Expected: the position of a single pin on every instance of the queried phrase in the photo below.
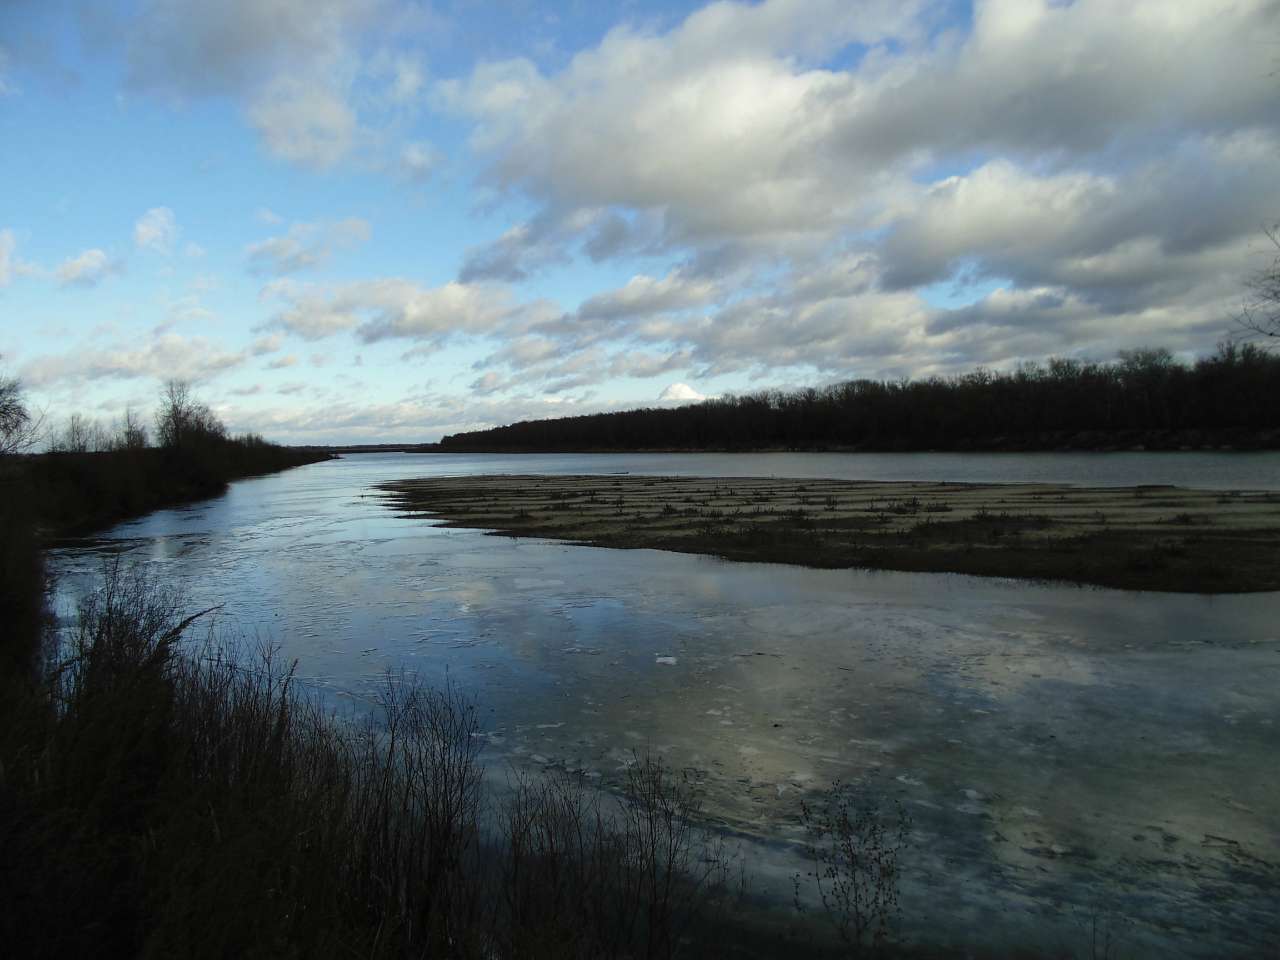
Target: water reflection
(1051, 742)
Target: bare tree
(1260, 316)
(18, 428)
(80, 435)
(183, 421)
(130, 432)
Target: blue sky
(367, 220)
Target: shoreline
(1160, 538)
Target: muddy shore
(1146, 537)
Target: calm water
(1063, 750)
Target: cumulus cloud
(86, 270)
(164, 356)
(306, 245)
(389, 308)
(643, 296)
(305, 123)
(748, 134)
(814, 169)
(681, 393)
(301, 69)
(187, 49)
(156, 230)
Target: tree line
(1145, 397)
(92, 473)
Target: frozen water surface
(1066, 753)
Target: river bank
(1150, 537)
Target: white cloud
(305, 123)
(85, 270)
(156, 230)
(11, 265)
(418, 161)
(390, 308)
(405, 79)
(789, 182)
(298, 68)
(643, 296)
(8, 243)
(306, 245)
(682, 393)
(266, 344)
(164, 356)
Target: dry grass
(1149, 537)
(166, 798)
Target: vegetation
(1260, 317)
(162, 797)
(855, 847)
(1146, 397)
(1141, 538)
(159, 798)
(95, 474)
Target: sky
(357, 221)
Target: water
(1065, 752)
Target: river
(1068, 755)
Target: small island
(1140, 538)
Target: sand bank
(1146, 537)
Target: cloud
(188, 49)
(11, 265)
(721, 137)
(306, 245)
(390, 308)
(267, 344)
(810, 172)
(283, 363)
(86, 270)
(165, 356)
(521, 251)
(643, 296)
(418, 161)
(749, 135)
(8, 243)
(156, 230)
(305, 123)
(405, 78)
(301, 70)
(681, 393)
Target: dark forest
(1144, 398)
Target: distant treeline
(1145, 397)
(94, 475)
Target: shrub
(855, 848)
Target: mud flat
(1145, 537)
